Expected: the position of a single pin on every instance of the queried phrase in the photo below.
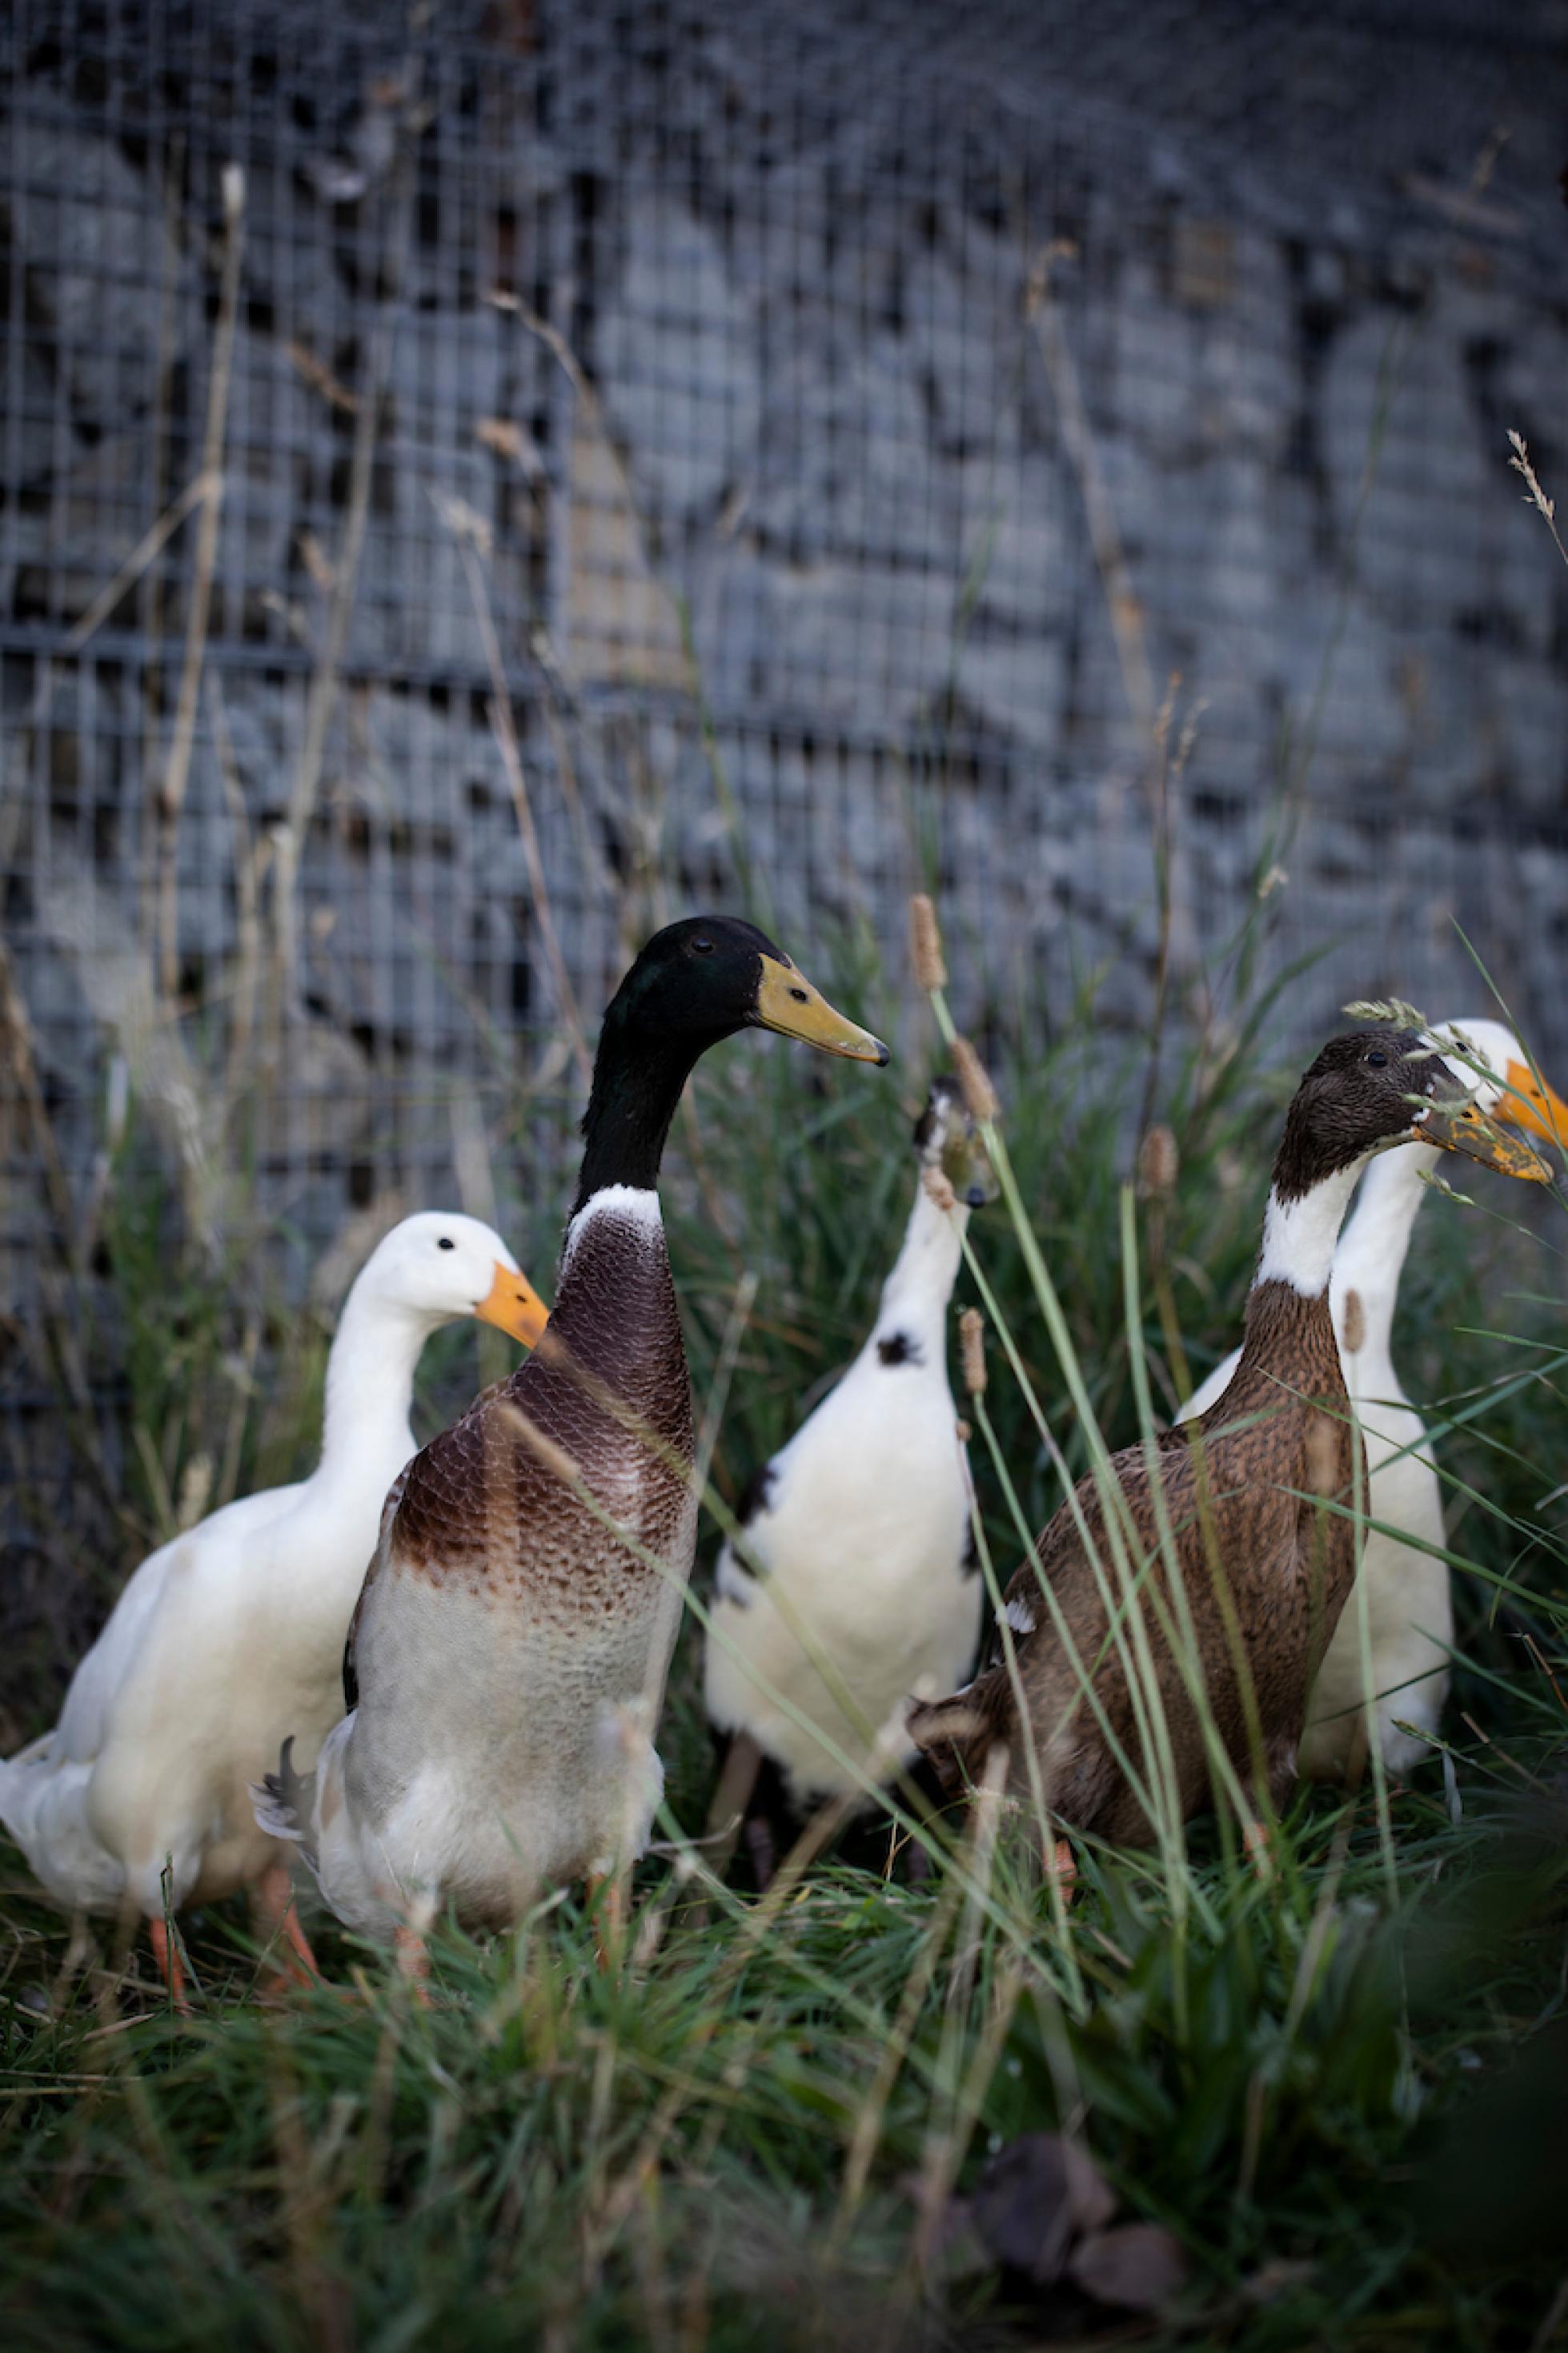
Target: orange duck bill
(1530, 1103)
(1461, 1127)
(513, 1304)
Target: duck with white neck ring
(508, 1660)
(1410, 1616)
(1263, 1568)
(232, 1634)
(854, 1585)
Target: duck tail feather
(285, 1802)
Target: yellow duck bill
(787, 1002)
(1460, 1128)
(512, 1305)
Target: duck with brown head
(507, 1663)
(1393, 1654)
(1261, 1551)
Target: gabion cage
(476, 479)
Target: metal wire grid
(792, 261)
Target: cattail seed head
(1158, 1164)
(925, 944)
(939, 1188)
(971, 1344)
(1356, 1324)
(1323, 1456)
(974, 1077)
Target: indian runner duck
(857, 1550)
(1410, 1616)
(1265, 1569)
(507, 1664)
(231, 1634)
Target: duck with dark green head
(506, 1665)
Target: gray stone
(677, 363)
(93, 238)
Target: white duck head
(1487, 1057)
(429, 1270)
(437, 1266)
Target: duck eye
(702, 947)
(446, 1243)
(1377, 1059)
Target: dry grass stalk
(291, 838)
(925, 944)
(249, 863)
(1125, 608)
(542, 1445)
(1536, 496)
(147, 550)
(320, 377)
(503, 727)
(177, 774)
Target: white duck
(1410, 1611)
(232, 1634)
(856, 1542)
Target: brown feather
(1288, 1566)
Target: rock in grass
(1035, 2199)
(1138, 2265)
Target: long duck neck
(370, 1388)
(915, 1293)
(614, 1300)
(637, 1080)
(1287, 1312)
(1371, 1252)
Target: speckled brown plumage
(1289, 1562)
(1264, 1561)
(484, 1509)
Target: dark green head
(696, 982)
(705, 977)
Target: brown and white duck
(1403, 1669)
(507, 1663)
(1241, 1488)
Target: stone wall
(906, 396)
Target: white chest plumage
(853, 1590)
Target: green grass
(1339, 2099)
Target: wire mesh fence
(475, 479)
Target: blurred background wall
(474, 480)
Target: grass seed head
(1323, 1456)
(1356, 1324)
(1159, 1163)
(972, 1342)
(975, 1079)
(925, 944)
